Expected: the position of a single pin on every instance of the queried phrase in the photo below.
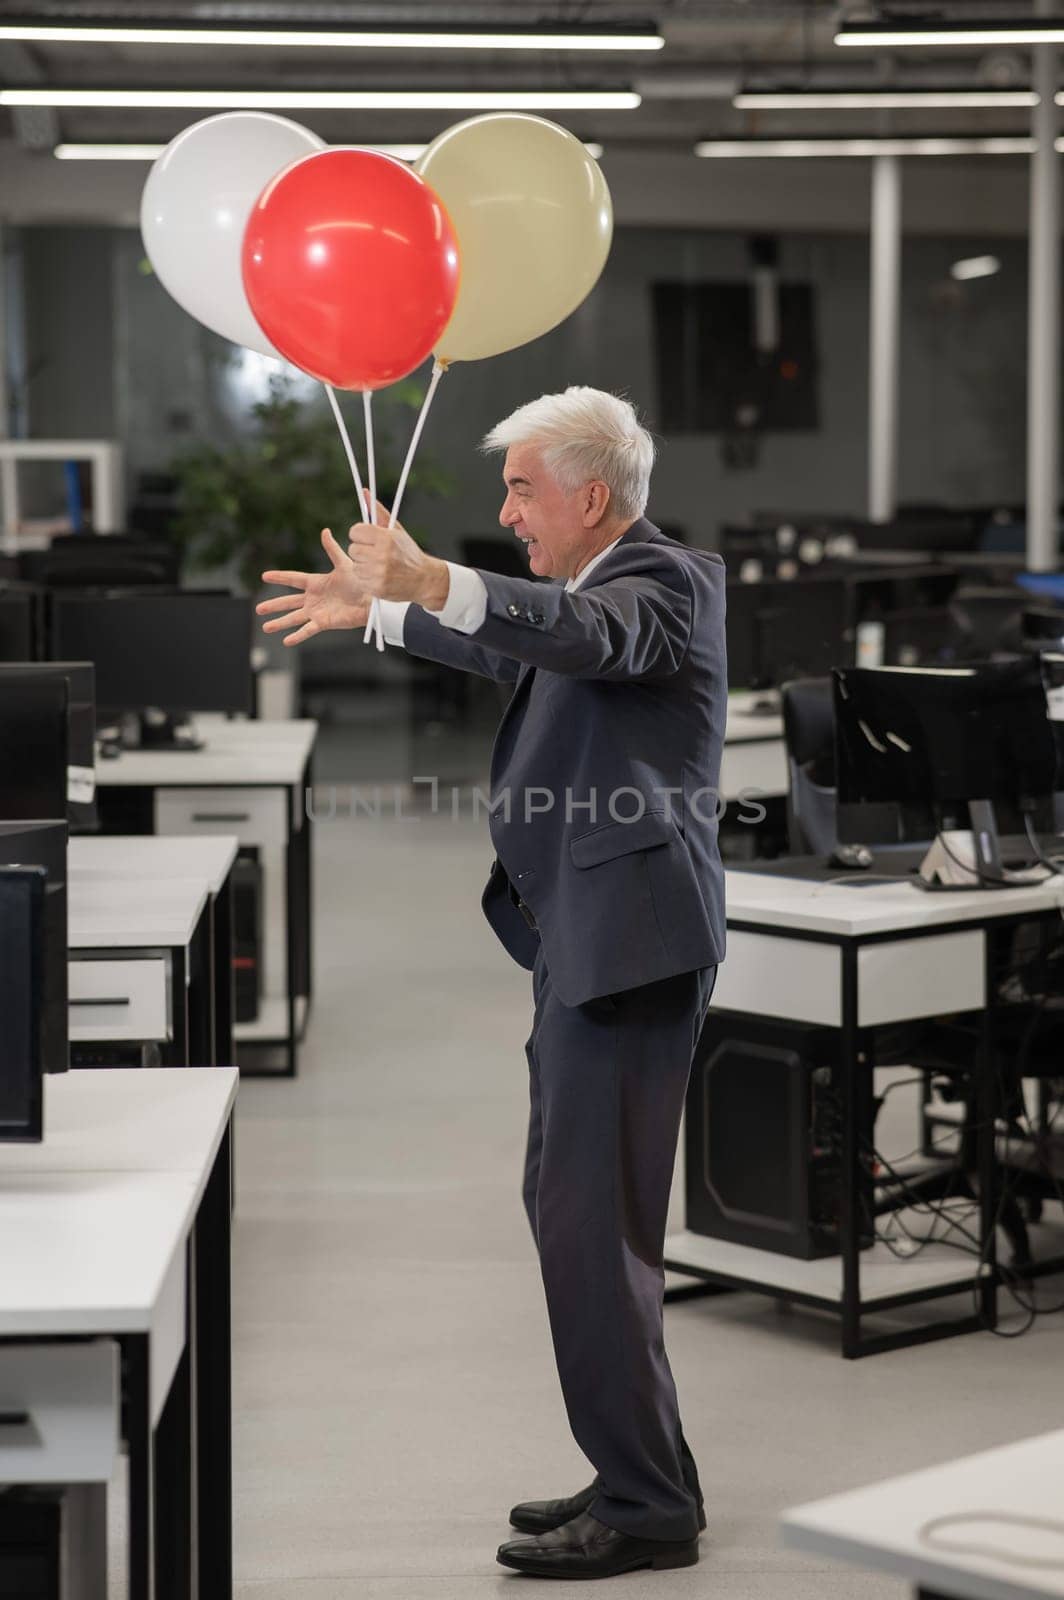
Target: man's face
(558, 529)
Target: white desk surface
(828, 908)
(264, 754)
(110, 913)
(153, 856)
(881, 1526)
(91, 1219)
(743, 727)
(128, 1119)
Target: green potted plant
(263, 501)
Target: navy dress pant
(608, 1081)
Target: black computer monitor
(779, 631)
(936, 531)
(34, 740)
(22, 1002)
(936, 742)
(44, 845)
(17, 622)
(175, 653)
(80, 678)
(803, 629)
(741, 628)
(109, 560)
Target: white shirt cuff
(393, 615)
(467, 600)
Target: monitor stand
(971, 858)
(158, 730)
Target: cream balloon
(534, 222)
(195, 207)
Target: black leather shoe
(584, 1548)
(543, 1516)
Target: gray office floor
(394, 1386)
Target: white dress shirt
(466, 605)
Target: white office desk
(853, 958)
(754, 761)
(248, 782)
(103, 1226)
(128, 913)
(883, 1525)
(134, 971)
(111, 856)
(235, 754)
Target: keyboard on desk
(891, 861)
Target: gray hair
(584, 434)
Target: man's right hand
(323, 600)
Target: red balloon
(350, 265)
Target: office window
(711, 376)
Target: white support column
(1043, 335)
(885, 339)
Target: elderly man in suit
(607, 885)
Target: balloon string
(438, 370)
(374, 627)
(346, 437)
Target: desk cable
(1014, 1519)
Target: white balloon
(195, 207)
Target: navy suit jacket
(606, 764)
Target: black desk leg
(223, 975)
(930, 1594)
(990, 1177)
(136, 1426)
(850, 1188)
(212, 1381)
(178, 1051)
(291, 869)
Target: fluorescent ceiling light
(151, 152)
(888, 36)
(327, 99)
(108, 152)
(728, 148)
(883, 99)
(327, 38)
(975, 267)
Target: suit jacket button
(537, 616)
(515, 611)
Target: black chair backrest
(809, 736)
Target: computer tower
(764, 1136)
(21, 1002)
(247, 936)
(44, 844)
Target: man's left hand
(389, 564)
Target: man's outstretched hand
(389, 564)
(323, 600)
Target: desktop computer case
(763, 1136)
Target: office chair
(809, 736)
(935, 1050)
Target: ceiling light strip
(151, 152)
(774, 148)
(326, 38)
(325, 99)
(884, 36)
(883, 100)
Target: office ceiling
(713, 48)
